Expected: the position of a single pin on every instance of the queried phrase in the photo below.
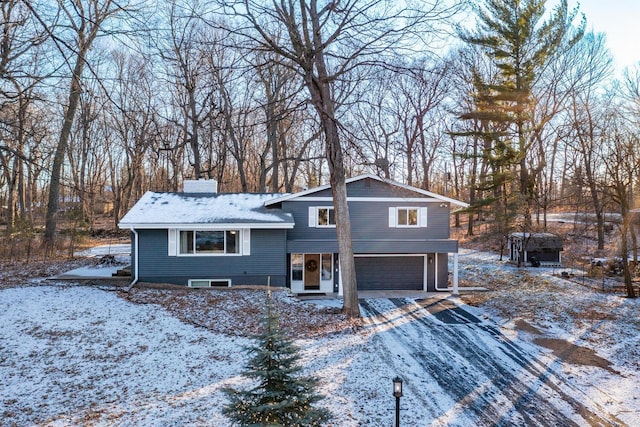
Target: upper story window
(322, 216)
(216, 242)
(326, 217)
(407, 217)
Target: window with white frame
(211, 242)
(322, 216)
(407, 217)
(298, 266)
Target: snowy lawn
(76, 355)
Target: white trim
(422, 216)
(210, 254)
(240, 242)
(435, 278)
(385, 255)
(328, 225)
(446, 287)
(213, 226)
(245, 240)
(361, 177)
(340, 287)
(172, 242)
(297, 286)
(313, 216)
(407, 208)
(137, 256)
(372, 199)
(455, 292)
(425, 274)
(393, 217)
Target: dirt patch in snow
(575, 354)
(525, 326)
(565, 350)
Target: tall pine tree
(520, 45)
(281, 397)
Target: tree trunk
(320, 90)
(625, 258)
(343, 221)
(51, 220)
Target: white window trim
(243, 240)
(393, 216)
(303, 266)
(314, 217)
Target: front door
(311, 271)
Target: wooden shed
(535, 249)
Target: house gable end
(369, 186)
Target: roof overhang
(216, 226)
(429, 194)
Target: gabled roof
(420, 191)
(167, 210)
(538, 241)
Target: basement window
(209, 283)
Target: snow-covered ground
(75, 355)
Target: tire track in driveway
(490, 379)
(446, 367)
(539, 372)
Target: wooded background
(515, 109)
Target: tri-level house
(400, 235)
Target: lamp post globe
(397, 387)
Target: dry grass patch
(240, 312)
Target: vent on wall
(208, 283)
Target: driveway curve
(484, 377)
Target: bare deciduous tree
(84, 20)
(326, 43)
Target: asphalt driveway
(486, 378)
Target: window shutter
(246, 241)
(313, 216)
(392, 217)
(172, 241)
(422, 217)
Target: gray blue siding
(370, 220)
(368, 187)
(371, 235)
(267, 259)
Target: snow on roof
(539, 241)
(158, 209)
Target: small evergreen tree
(281, 397)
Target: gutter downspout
(135, 249)
(455, 291)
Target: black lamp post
(397, 393)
